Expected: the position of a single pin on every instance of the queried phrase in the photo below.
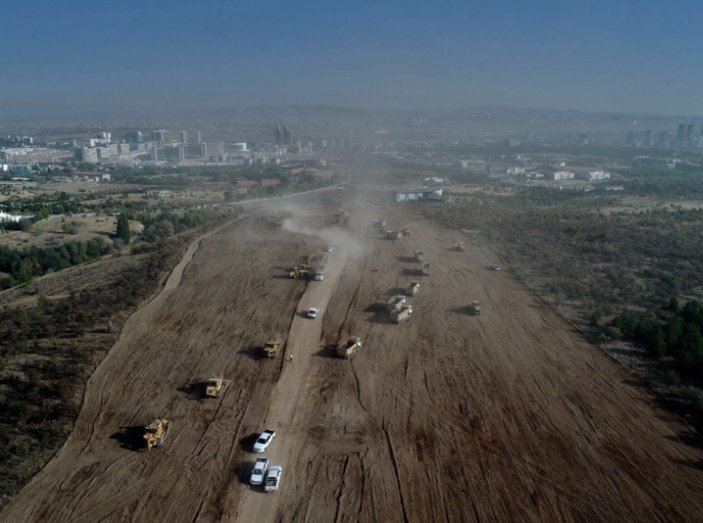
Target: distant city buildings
(686, 138)
(281, 135)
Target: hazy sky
(634, 55)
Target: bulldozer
(155, 432)
(419, 256)
(459, 247)
(272, 346)
(474, 309)
(214, 387)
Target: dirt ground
(506, 416)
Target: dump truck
(412, 288)
(349, 348)
(419, 256)
(459, 247)
(426, 269)
(155, 432)
(474, 308)
(272, 346)
(394, 303)
(319, 258)
(213, 387)
(402, 313)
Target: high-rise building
(690, 128)
(198, 137)
(135, 137)
(160, 136)
(662, 139)
(281, 135)
(184, 136)
(681, 134)
(647, 138)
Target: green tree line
(23, 265)
(679, 336)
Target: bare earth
(507, 416)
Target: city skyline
(103, 59)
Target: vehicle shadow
(412, 272)
(130, 438)
(463, 310)
(247, 442)
(328, 351)
(379, 313)
(406, 259)
(255, 352)
(193, 390)
(243, 471)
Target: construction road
(506, 416)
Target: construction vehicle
(459, 247)
(214, 387)
(155, 432)
(319, 258)
(300, 271)
(419, 256)
(406, 233)
(272, 346)
(349, 348)
(402, 313)
(380, 225)
(394, 303)
(341, 216)
(412, 288)
(392, 235)
(426, 269)
(474, 308)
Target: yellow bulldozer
(214, 387)
(155, 432)
(272, 346)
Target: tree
(123, 228)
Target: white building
(599, 175)
(563, 175)
(422, 193)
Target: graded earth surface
(506, 416)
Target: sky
(100, 55)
